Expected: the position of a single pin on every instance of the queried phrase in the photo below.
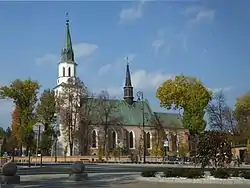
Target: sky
(206, 39)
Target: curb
(194, 181)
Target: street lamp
(140, 98)
(1, 144)
(38, 128)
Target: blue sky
(206, 39)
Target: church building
(134, 115)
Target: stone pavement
(121, 184)
(110, 180)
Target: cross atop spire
(127, 61)
(67, 18)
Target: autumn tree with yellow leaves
(24, 95)
(189, 95)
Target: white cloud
(141, 80)
(132, 14)
(80, 50)
(223, 89)
(84, 49)
(104, 69)
(198, 14)
(159, 42)
(149, 80)
(118, 65)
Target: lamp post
(38, 128)
(140, 98)
(1, 144)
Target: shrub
(246, 174)
(194, 173)
(236, 173)
(220, 173)
(174, 172)
(148, 174)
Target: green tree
(187, 94)
(24, 95)
(242, 116)
(84, 131)
(106, 111)
(158, 149)
(216, 147)
(45, 113)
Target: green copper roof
(67, 54)
(131, 115)
(169, 120)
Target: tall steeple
(67, 54)
(128, 88)
(67, 65)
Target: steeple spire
(128, 88)
(67, 54)
(128, 77)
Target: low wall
(70, 159)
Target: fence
(70, 159)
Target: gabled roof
(131, 115)
(169, 120)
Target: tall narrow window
(63, 71)
(69, 72)
(131, 140)
(94, 141)
(113, 140)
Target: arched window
(63, 71)
(113, 140)
(69, 72)
(94, 139)
(131, 139)
(148, 140)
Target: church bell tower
(67, 65)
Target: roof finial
(67, 18)
(127, 61)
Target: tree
(187, 94)
(45, 113)
(87, 107)
(8, 146)
(46, 108)
(220, 116)
(24, 95)
(68, 103)
(242, 116)
(106, 113)
(16, 128)
(158, 136)
(214, 146)
(183, 150)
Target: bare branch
(220, 116)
